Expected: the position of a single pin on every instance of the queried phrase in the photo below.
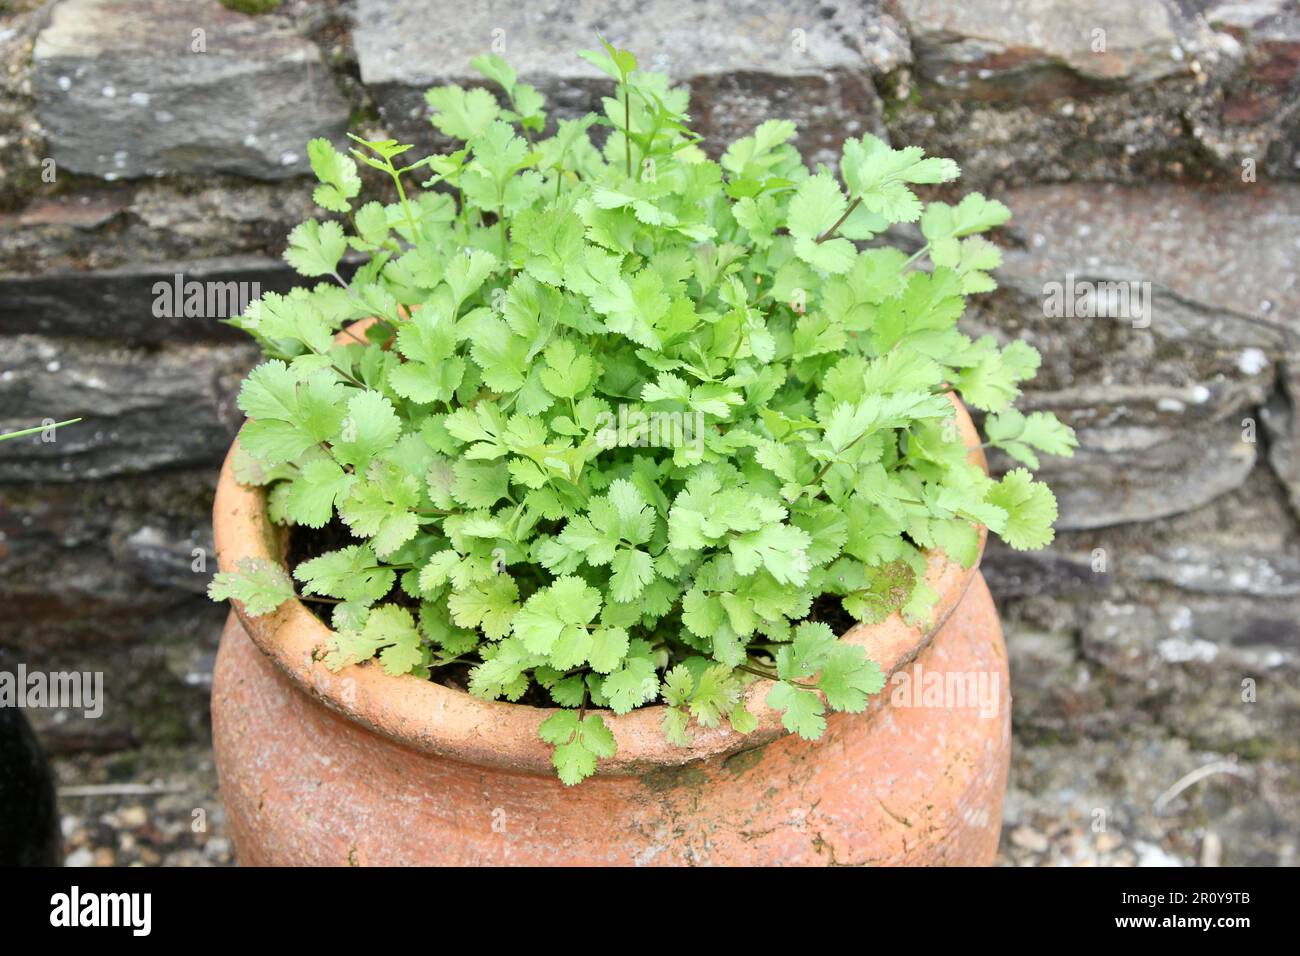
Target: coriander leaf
(802, 710)
(316, 247)
(257, 584)
(351, 574)
(337, 173)
(1030, 507)
(462, 114)
(490, 604)
(578, 744)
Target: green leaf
(815, 207)
(578, 744)
(632, 685)
(633, 571)
(848, 678)
(351, 574)
(1018, 435)
(370, 426)
(801, 709)
(337, 173)
(462, 114)
(389, 631)
(615, 63)
(1030, 507)
(313, 495)
(315, 248)
(566, 374)
(382, 508)
(504, 672)
(560, 611)
(991, 379)
(290, 416)
(433, 372)
(943, 225)
(257, 584)
(491, 605)
(716, 694)
(878, 175)
(608, 647)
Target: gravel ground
(142, 808)
(1082, 805)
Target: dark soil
(307, 543)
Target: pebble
(1030, 839)
(1106, 842)
(134, 817)
(82, 856)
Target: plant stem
(627, 128)
(771, 675)
(501, 221)
(835, 461)
(916, 255)
(379, 318)
(401, 194)
(38, 428)
(838, 222)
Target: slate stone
(744, 60)
(1059, 90)
(130, 88)
(141, 409)
(971, 43)
(120, 303)
(1137, 474)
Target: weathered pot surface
(360, 767)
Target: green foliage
(626, 413)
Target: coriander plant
(629, 418)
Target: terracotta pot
(358, 767)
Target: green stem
(38, 428)
(835, 461)
(838, 222)
(401, 194)
(627, 128)
(916, 255)
(501, 221)
(771, 675)
(387, 320)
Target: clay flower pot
(361, 768)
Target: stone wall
(1152, 144)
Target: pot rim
(430, 717)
